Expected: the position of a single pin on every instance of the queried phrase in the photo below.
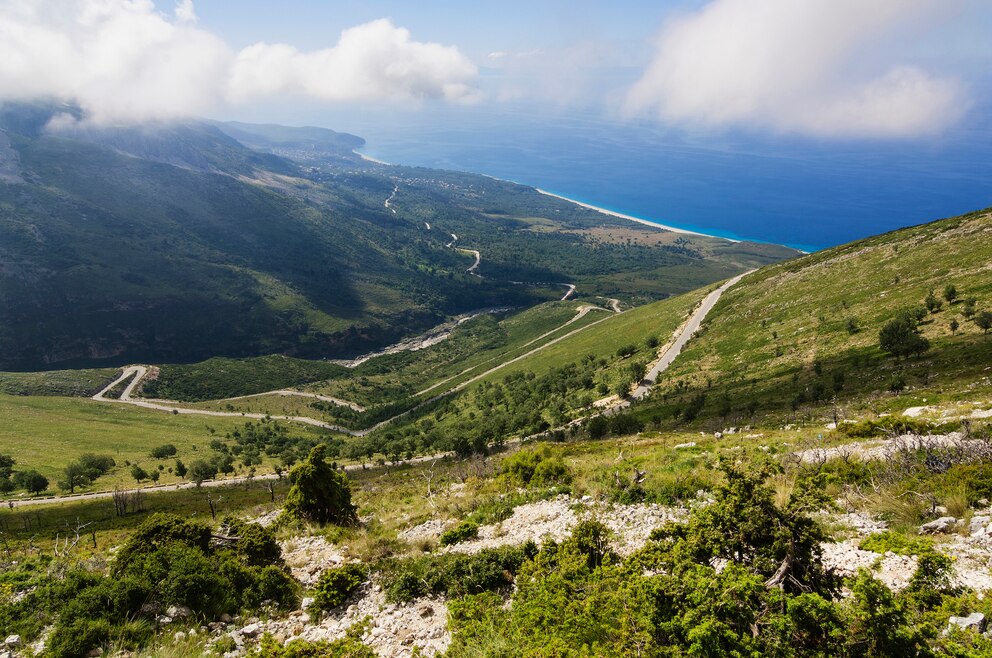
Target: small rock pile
(308, 557)
(395, 630)
(554, 520)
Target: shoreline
(639, 220)
(610, 213)
(369, 158)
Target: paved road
(688, 330)
(475, 265)
(138, 372)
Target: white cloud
(373, 61)
(124, 60)
(802, 66)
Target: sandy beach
(633, 219)
(370, 159)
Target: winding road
(475, 265)
(683, 335)
(138, 372)
(392, 196)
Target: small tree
(954, 326)
(201, 470)
(984, 321)
(968, 309)
(74, 475)
(31, 480)
(626, 350)
(900, 337)
(950, 293)
(180, 469)
(320, 493)
(138, 473)
(931, 302)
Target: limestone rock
(943, 525)
(975, 620)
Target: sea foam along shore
(632, 218)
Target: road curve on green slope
(138, 373)
(688, 331)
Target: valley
(514, 446)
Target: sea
(802, 192)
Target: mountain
(178, 242)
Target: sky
(882, 69)
(905, 85)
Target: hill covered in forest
(183, 241)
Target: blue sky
(886, 104)
(890, 69)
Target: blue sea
(801, 192)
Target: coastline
(369, 158)
(605, 211)
(631, 218)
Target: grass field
(71, 383)
(46, 433)
(785, 332)
(633, 327)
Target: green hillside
(177, 243)
(803, 337)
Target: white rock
(13, 641)
(178, 611)
(251, 630)
(975, 620)
(690, 444)
(179, 636)
(306, 602)
(978, 524)
(944, 524)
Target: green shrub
(551, 472)
(891, 425)
(335, 586)
(454, 574)
(256, 544)
(320, 493)
(535, 467)
(898, 543)
(350, 646)
(462, 532)
(163, 451)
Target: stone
(978, 525)
(975, 620)
(251, 630)
(178, 612)
(179, 636)
(944, 524)
(426, 611)
(163, 620)
(690, 444)
(226, 618)
(13, 641)
(306, 602)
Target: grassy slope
(71, 383)
(46, 433)
(632, 327)
(223, 378)
(762, 340)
